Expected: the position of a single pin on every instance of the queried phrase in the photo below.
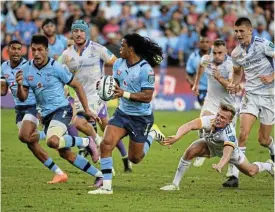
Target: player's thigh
(198, 148)
(209, 108)
(246, 122)
(104, 123)
(266, 115)
(29, 123)
(112, 135)
(56, 124)
(135, 149)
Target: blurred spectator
(26, 29)
(99, 20)
(113, 43)
(76, 15)
(59, 21)
(111, 9)
(95, 35)
(110, 27)
(163, 17)
(261, 32)
(212, 32)
(175, 23)
(46, 11)
(90, 8)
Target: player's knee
(190, 153)
(243, 136)
(251, 172)
(106, 146)
(263, 140)
(53, 142)
(134, 159)
(24, 137)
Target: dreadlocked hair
(145, 48)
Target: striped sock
(52, 166)
(106, 168)
(148, 143)
(69, 141)
(83, 164)
(42, 135)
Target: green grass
(24, 179)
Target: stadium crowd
(175, 26)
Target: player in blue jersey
(47, 78)
(134, 116)
(253, 57)
(26, 112)
(57, 43)
(193, 65)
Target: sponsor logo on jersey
(30, 78)
(6, 76)
(118, 72)
(39, 85)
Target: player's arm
(195, 124)
(197, 79)
(4, 87)
(190, 71)
(22, 90)
(224, 82)
(227, 152)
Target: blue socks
(106, 168)
(52, 166)
(83, 164)
(147, 144)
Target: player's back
(256, 60)
(134, 78)
(9, 74)
(47, 84)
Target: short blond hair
(228, 107)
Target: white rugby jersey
(216, 93)
(256, 60)
(219, 137)
(88, 65)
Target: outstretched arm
(197, 79)
(227, 152)
(195, 124)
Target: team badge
(151, 79)
(30, 78)
(39, 85)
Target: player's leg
(266, 118)
(200, 160)
(56, 138)
(114, 131)
(246, 122)
(103, 114)
(28, 134)
(196, 149)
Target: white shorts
(99, 107)
(260, 106)
(210, 106)
(237, 156)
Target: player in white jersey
(219, 140)
(86, 59)
(254, 57)
(219, 68)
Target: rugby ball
(105, 88)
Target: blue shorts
(201, 96)
(22, 110)
(63, 115)
(137, 127)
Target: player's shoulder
(118, 62)
(259, 40)
(95, 45)
(145, 67)
(55, 64)
(236, 51)
(206, 58)
(5, 65)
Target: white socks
(271, 146)
(263, 166)
(182, 168)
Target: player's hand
(267, 79)
(217, 167)
(232, 88)
(118, 92)
(216, 74)
(92, 116)
(195, 89)
(19, 77)
(170, 140)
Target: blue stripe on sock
(78, 141)
(92, 170)
(106, 163)
(68, 141)
(147, 144)
(48, 162)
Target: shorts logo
(30, 78)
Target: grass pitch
(24, 179)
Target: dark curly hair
(145, 48)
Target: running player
(254, 57)
(134, 116)
(47, 78)
(26, 113)
(86, 60)
(219, 140)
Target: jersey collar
(49, 59)
(129, 66)
(250, 44)
(86, 45)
